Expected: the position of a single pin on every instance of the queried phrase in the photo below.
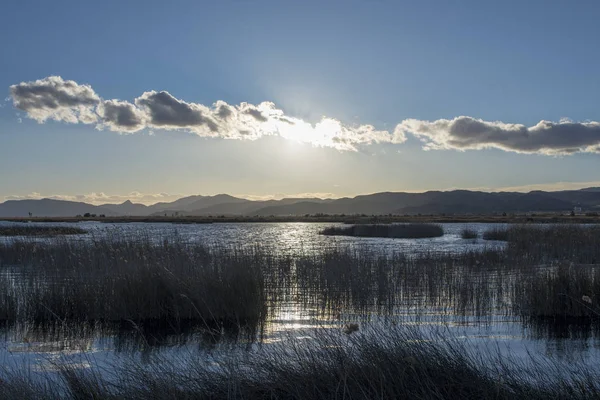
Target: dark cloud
(224, 111)
(55, 98)
(165, 111)
(287, 121)
(121, 116)
(253, 112)
(466, 133)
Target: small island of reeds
(399, 231)
(469, 233)
(37, 230)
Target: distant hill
(127, 208)
(432, 202)
(249, 207)
(435, 202)
(50, 208)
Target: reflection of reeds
(401, 231)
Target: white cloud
(53, 98)
(466, 133)
(98, 198)
(279, 196)
(31, 196)
(549, 187)
(67, 101)
(57, 99)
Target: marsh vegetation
(387, 364)
(26, 230)
(399, 231)
(469, 233)
(544, 276)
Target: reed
(132, 281)
(496, 234)
(468, 233)
(39, 230)
(402, 231)
(393, 363)
(566, 293)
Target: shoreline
(383, 219)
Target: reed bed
(392, 363)
(579, 244)
(496, 234)
(132, 282)
(38, 230)
(156, 283)
(399, 231)
(563, 293)
(543, 274)
(468, 233)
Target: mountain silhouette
(455, 202)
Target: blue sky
(390, 77)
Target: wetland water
(484, 319)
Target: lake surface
(504, 332)
(285, 238)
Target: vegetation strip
(38, 230)
(399, 231)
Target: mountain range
(455, 202)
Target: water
(286, 238)
(95, 348)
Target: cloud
(120, 116)
(256, 114)
(53, 98)
(167, 112)
(31, 196)
(57, 99)
(99, 198)
(466, 133)
(279, 196)
(549, 187)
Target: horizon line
(98, 199)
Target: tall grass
(496, 234)
(468, 233)
(141, 282)
(133, 282)
(545, 244)
(565, 292)
(404, 231)
(543, 274)
(384, 364)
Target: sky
(153, 100)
